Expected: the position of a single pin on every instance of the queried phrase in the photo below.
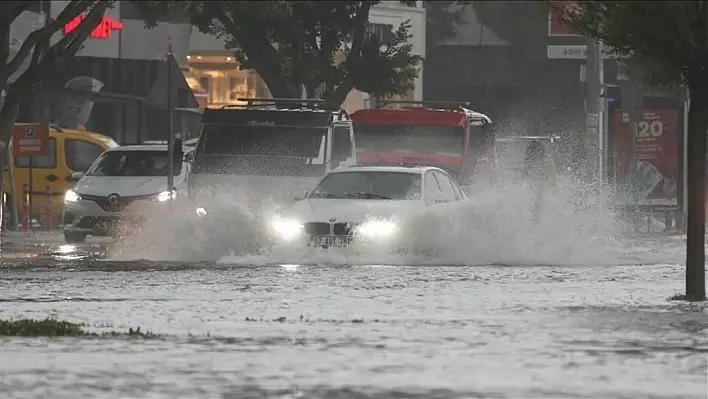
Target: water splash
(492, 227)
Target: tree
(36, 57)
(297, 44)
(672, 38)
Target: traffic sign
(574, 52)
(30, 139)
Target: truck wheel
(74, 238)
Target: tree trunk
(696, 176)
(8, 114)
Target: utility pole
(171, 120)
(632, 102)
(593, 80)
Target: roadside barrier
(3, 222)
(48, 209)
(25, 208)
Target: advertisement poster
(657, 156)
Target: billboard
(657, 155)
(556, 27)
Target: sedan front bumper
(87, 217)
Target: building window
(205, 86)
(220, 78)
(383, 31)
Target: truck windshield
(263, 140)
(133, 163)
(417, 138)
(262, 150)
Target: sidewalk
(32, 237)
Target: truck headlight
(71, 196)
(165, 196)
(287, 229)
(377, 229)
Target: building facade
(497, 61)
(122, 63)
(217, 79)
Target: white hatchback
(357, 204)
(123, 184)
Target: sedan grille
(344, 229)
(115, 206)
(317, 229)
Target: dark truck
(268, 150)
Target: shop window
(204, 81)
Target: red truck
(453, 138)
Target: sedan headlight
(287, 229)
(71, 196)
(165, 196)
(377, 229)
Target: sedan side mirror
(76, 176)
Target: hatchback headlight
(377, 229)
(287, 229)
(71, 196)
(165, 196)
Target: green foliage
(669, 37)
(295, 44)
(51, 327)
(40, 328)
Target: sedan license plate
(336, 242)
(105, 225)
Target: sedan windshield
(369, 185)
(133, 163)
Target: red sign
(556, 27)
(103, 30)
(30, 139)
(657, 153)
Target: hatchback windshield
(133, 163)
(369, 185)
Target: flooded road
(365, 331)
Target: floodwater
(230, 329)
(561, 309)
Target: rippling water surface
(233, 330)
(555, 308)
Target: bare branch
(71, 11)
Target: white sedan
(121, 186)
(357, 204)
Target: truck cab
(268, 149)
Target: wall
(497, 61)
(133, 40)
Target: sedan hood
(349, 210)
(125, 186)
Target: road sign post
(29, 140)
